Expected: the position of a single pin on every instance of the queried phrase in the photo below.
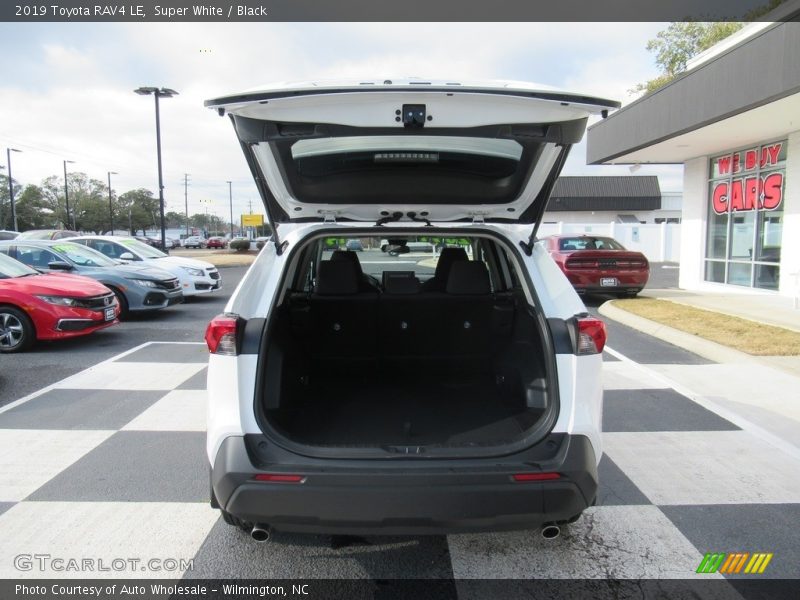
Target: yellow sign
(252, 220)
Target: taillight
(591, 336)
(582, 263)
(221, 335)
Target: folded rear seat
(448, 330)
(343, 319)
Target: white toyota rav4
(361, 393)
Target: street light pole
(11, 188)
(66, 193)
(159, 93)
(230, 198)
(186, 199)
(110, 203)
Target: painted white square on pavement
(116, 533)
(180, 410)
(132, 376)
(30, 458)
(705, 467)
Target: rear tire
(17, 332)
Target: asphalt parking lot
(106, 459)
(51, 361)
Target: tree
(140, 209)
(88, 203)
(6, 222)
(207, 222)
(175, 220)
(33, 211)
(678, 43)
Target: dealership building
(733, 121)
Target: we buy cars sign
(749, 179)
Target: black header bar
(184, 11)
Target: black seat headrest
(348, 256)
(447, 257)
(468, 277)
(336, 278)
(400, 282)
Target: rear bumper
(405, 497)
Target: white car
(196, 276)
(464, 397)
(194, 241)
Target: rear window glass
(429, 169)
(422, 148)
(589, 243)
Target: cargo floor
(377, 412)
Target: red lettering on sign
(737, 198)
(724, 165)
(773, 191)
(769, 155)
(736, 166)
(719, 198)
(750, 158)
(751, 185)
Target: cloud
(75, 101)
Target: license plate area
(109, 313)
(608, 281)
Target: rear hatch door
(407, 150)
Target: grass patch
(747, 336)
(219, 258)
(235, 259)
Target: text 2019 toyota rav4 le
(460, 392)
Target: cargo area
(405, 362)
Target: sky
(67, 89)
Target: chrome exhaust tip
(261, 533)
(550, 531)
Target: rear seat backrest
(468, 310)
(404, 325)
(364, 282)
(343, 320)
(447, 258)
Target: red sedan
(49, 307)
(602, 265)
(216, 242)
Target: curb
(687, 341)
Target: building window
(745, 216)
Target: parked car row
(56, 288)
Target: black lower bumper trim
(406, 498)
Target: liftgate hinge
(329, 216)
(477, 217)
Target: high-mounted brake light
(591, 336)
(279, 478)
(221, 335)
